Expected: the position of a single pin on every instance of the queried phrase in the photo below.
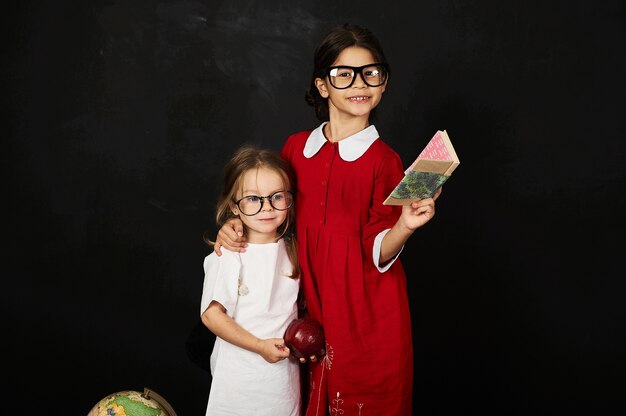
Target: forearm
(393, 242)
(227, 329)
(413, 216)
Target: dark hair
(327, 52)
(249, 157)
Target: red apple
(305, 337)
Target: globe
(132, 403)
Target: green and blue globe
(132, 403)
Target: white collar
(350, 149)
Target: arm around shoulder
(230, 236)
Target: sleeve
(378, 242)
(287, 149)
(287, 152)
(382, 217)
(221, 281)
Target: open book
(431, 169)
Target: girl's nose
(266, 205)
(359, 82)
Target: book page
(435, 149)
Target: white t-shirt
(257, 292)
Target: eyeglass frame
(263, 198)
(358, 70)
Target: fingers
(239, 229)
(418, 213)
(235, 232)
(217, 249)
(282, 352)
(422, 210)
(437, 193)
(234, 228)
(423, 202)
(426, 209)
(312, 358)
(273, 350)
(226, 236)
(229, 237)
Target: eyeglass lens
(250, 205)
(344, 76)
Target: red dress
(368, 368)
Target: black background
(121, 114)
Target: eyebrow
(257, 193)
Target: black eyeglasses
(342, 77)
(252, 204)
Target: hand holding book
(427, 173)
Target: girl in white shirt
(248, 299)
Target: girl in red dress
(348, 241)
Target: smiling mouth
(359, 98)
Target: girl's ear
(321, 87)
(234, 210)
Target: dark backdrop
(120, 115)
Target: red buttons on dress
(322, 203)
(323, 182)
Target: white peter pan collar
(350, 149)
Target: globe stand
(152, 395)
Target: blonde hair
(246, 158)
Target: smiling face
(359, 99)
(262, 227)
